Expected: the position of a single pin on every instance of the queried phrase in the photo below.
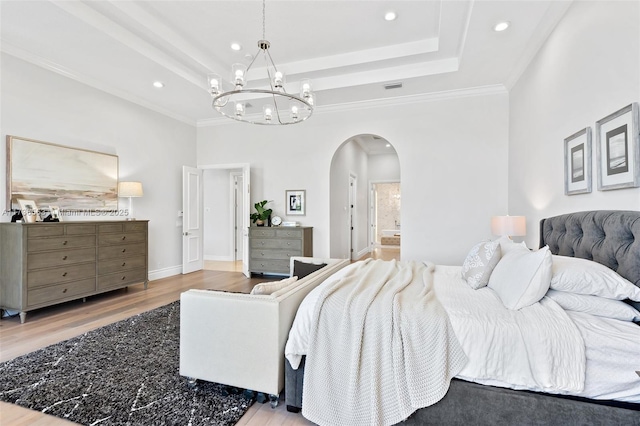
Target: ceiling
(347, 48)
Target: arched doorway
(360, 164)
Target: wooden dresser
(271, 247)
(46, 263)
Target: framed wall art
(51, 174)
(577, 163)
(29, 210)
(618, 149)
(295, 201)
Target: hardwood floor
(54, 324)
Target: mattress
(611, 347)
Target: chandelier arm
(253, 60)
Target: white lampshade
(512, 226)
(130, 189)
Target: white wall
(588, 68)
(452, 153)
(384, 168)
(349, 160)
(151, 147)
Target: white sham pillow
(271, 287)
(507, 244)
(582, 276)
(480, 262)
(521, 277)
(595, 305)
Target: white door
(192, 208)
(237, 215)
(246, 197)
(352, 214)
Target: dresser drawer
(120, 251)
(121, 279)
(59, 292)
(42, 244)
(110, 227)
(275, 266)
(60, 274)
(110, 239)
(135, 227)
(262, 232)
(45, 230)
(60, 257)
(117, 265)
(80, 229)
(276, 244)
(274, 254)
(289, 233)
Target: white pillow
(270, 287)
(479, 263)
(582, 276)
(521, 278)
(507, 244)
(594, 305)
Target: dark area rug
(124, 373)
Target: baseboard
(218, 258)
(362, 252)
(165, 272)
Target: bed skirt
(469, 403)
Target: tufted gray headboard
(609, 237)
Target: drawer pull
(124, 238)
(123, 250)
(64, 258)
(123, 278)
(124, 263)
(65, 243)
(64, 291)
(64, 275)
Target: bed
(609, 238)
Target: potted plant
(261, 214)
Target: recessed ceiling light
(388, 145)
(158, 84)
(501, 26)
(236, 46)
(390, 16)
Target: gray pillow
(479, 263)
(301, 269)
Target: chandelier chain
(264, 22)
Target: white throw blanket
(381, 346)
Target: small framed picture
(618, 149)
(295, 201)
(577, 163)
(29, 210)
(55, 213)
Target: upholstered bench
(238, 339)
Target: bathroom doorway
(385, 218)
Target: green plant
(261, 212)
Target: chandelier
(277, 105)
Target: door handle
(185, 233)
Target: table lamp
(130, 190)
(511, 226)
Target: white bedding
(612, 347)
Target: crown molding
(553, 15)
(495, 89)
(22, 54)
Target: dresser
(46, 263)
(270, 248)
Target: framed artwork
(55, 213)
(29, 210)
(618, 149)
(71, 178)
(295, 201)
(577, 163)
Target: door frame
(373, 208)
(246, 173)
(234, 225)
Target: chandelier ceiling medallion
(278, 107)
